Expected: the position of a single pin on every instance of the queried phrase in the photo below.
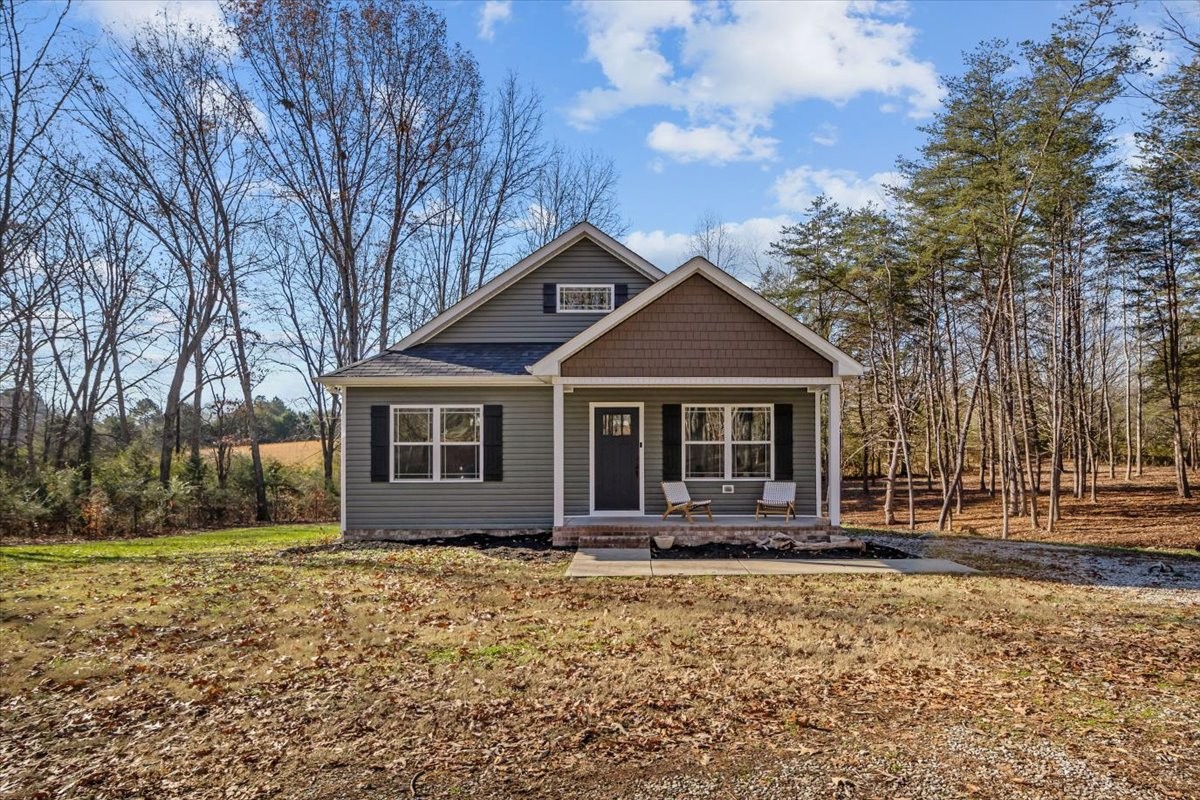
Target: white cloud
(711, 143)
(665, 250)
(668, 250)
(492, 14)
(123, 17)
(796, 188)
(826, 135)
(730, 66)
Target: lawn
(262, 663)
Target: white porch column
(835, 454)
(817, 442)
(342, 409)
(559, 491)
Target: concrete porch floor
(606, 530)
(636, 562)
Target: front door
(616, 457)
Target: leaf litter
(449, 672)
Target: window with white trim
(728, 442)
(437, 443)
(585, 298)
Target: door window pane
(616, 424)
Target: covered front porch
(702, 382)
(804, 420)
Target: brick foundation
(687, 536)
(422, 534)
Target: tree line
(184, 209)
(1028, 303)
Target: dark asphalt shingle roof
(434, 360)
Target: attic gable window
(576, 298)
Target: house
(565, 390)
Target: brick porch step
(614, 540)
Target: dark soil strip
(516, 548)
(751, 551)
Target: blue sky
(741, 110)
(749, 138)
(745, 111)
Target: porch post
(343, 450)
(835, 454)
(817, 443)
(558, 454)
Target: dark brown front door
(615, 466)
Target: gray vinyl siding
(515, 314)
(525, 498)
(577, 456)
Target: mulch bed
(515, 548)
(753, 551)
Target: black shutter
(380, 433)
(672, 442)
(549, 298)
(783, 441)
(493, 443)
(620, 294)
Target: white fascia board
(333, 382)
(537, 258)
(819, 383)
(843, 364)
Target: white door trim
(641, 407)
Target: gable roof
(843, 364)
(476, 362)
(525, 266)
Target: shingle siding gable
(697, 329)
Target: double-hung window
(727, 442)
(437, 443)
(585, 298)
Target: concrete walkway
(636, 562)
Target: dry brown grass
(290, 454)
(1144, 512)
(447, 672)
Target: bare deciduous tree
(174, 131)
(367, 108)
(571, 188)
